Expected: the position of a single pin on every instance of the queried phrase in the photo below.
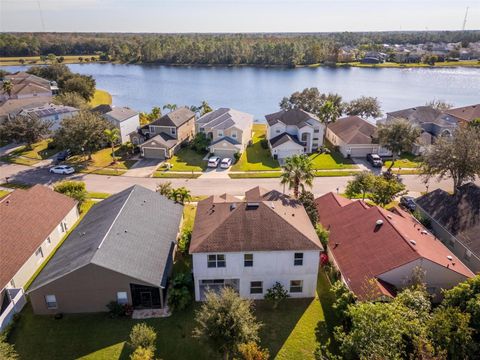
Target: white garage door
(224, 153)
(151, 153)
(284, 153)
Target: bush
(200, 142)
(74, 189)
(264, 143)
(323, 235)
(115, 309)
(142, 353)
(276, 294)
(143, 336)
(184, 241)
(179, 295)
(423, 219)
(251, 351)
(7, 351)
(237, 156)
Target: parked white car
(62, 169)
(226, 163)
(213, 162)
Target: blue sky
(236, 16)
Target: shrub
(276, 294)
(74, 189)
(115, 309)
(251, 351)
(264, 143)
(237, 156)
(143, 336)
(323, 235)
(423, 219)
(142, 353)
(184, 241)
(200, 142)
(179, 296)
(7, 351)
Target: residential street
(200, 186)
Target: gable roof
(227, 139)
(176, 118)
(121, 113)
(131, 232)
(13, 106)
(290, 117)
(102, 109)
(459, 213)
(27, 218)
(49, 109)
(27, 84)
(284, 138)
(364, 251)
(419, 114)
(161, 140)
(265, 221)
(465, 113)
(226, 118)
(354, 130)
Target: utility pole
(465, 20)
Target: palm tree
(112, 136)
(329, 113)
(205, 107)
(7, 87)
(183, 195)
(170, 107)
(165, 188)
(297, 172)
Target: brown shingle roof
(466, 113)
(354, 130)
(364, 252)
(290, 117)
(27, 217)
(265, 221)
(175, 118)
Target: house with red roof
(378, 252)
(32, 224)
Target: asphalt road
(210, 186)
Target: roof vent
(379, 222)
(233, 206)
(252, 205)
(413, 242)
(449, 257)
(389, 216)
(424, 232)
(272, 205)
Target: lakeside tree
(297, 171)
(80, 84)
(312, 101)
(112, 136)
(440, 105)
(456, 157)
(225, 320)
(26, 129)
(82, 133)
(361, 184)
(398, 135)
(365, 106)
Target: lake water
(259, 90)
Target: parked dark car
(64, 155)
(408, 203)
(375, 160)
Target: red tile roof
(27, 217)
(264, 221)
(364, 251)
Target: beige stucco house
(32, 223)
(229, 130)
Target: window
(277, 131)
(220, 133)
(201, 129)
(173, 131)
(296, 286)
(216, 261)
(39, 253)
(256, 287)
(298, 259)
(248, 260)
(122, 297)
(234, 134)
(51, 301)
(316, 131)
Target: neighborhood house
(32, 223)
(251, 244)
(164, 137)
(379, 252)
(51, 112)
(125, 120)
(229, 130)
(293, 132)
(121, 251)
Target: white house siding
(268, 267)
(33, 263)
(437, 277)
(57, 119)
(287, 149)
(225, 149)
(126, 127)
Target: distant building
(51, 112)
(465, 114)
(125, 120)
(26, 85)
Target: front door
(146, 299)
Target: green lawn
(255, 157)
(101, 97)
(292, 331)
(3, 193)
(331, 161)
(173, 175)
(189, 211)
(98, 195)
(406, 161)
(187, 160)
(102, 162)
(25, 156)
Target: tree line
(215, 49)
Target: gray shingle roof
(225, 118)
(283, 138)
(227, 139)
(121, 113)
(132, 233)
(175, 118)
(161, 141)
(354, 130)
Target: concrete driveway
(215, 173)
(143, 168)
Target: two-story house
(163, 137)
(26, 85)
(229, 130)
(32, 223)
(253, 243)
(293, 132)
(50, 112)
(125, 120)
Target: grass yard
(331, 161)
(291, 332)
(335, 173)
(187, 160)
(255, 157)
(255, 175)
(189, 211)
(101, 97)
(98, 195)
(406, 161)
(4, 193)
(101, 162)
(174, 175)
(25, 156)
(30, 60)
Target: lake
(259, 90)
